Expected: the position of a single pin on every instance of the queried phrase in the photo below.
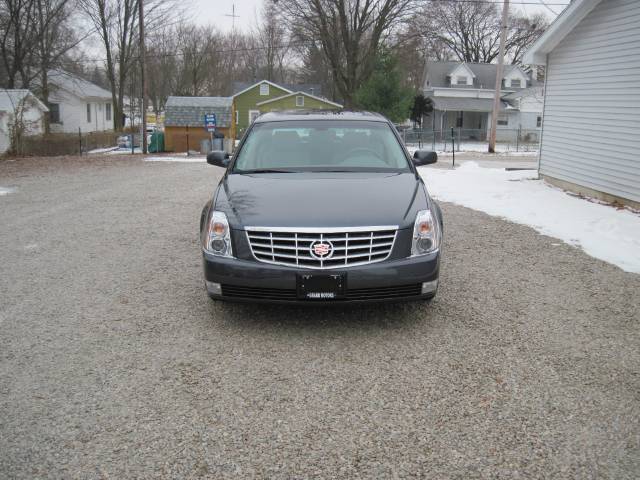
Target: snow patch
(181, 159)
(602, 231)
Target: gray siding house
(462, 95)
(591, 119)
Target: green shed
(297, 101)
(245, 102)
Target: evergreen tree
(383, 91)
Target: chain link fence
(472, 140)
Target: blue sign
(210, 122)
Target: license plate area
(321, 287)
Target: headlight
(426, 234)
(217, 237)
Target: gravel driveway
(115, 364)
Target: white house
(591, 120)
(462, 95)
(75, 103)
(23, 106)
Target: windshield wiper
(266, 170)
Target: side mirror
(424, 157)
(218, 158)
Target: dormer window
(516, 83)
(461, 80)
(264, 89)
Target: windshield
(321, 146)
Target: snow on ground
(501, 149)
(103, 150)
(173, 158)
(5, 191)
(602, 231)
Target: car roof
(297, 115)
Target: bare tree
(349, 33)
(55, 38)
(471, 30)
(271, 39)
(17, 40)
(116, 22)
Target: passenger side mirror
(424, 157)
(218, 158)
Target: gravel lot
(115, 364)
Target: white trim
(324, 100)
(258, 83)
(560, 28)
(237, 117)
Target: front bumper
(234, 279)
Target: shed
(591, 118)
(184, 121)
(23, 105)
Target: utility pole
(233, 17)
(143, 77)
(499, 73)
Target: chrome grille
(349, 246)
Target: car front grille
(287, 295)
(305, 248)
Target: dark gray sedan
(321, 208)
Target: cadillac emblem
(321, 249)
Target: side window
(253, 114)
(516, 83)
(54, 113)
(461, 80)
(538, 121)
(88, 113)
(107, 112)
(264, 89)
(299, 101)
(503, 120)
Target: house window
(503, 120)
(237, 117)
(54, 113)
(253, 114)
(107, 112)
(459, 119)
(88, 113)
(461, 80)
(299, 101)
(538, 121)
(516, 83)
(264, 89)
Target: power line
(180, 54)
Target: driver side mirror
(424, 157)
(219, 158)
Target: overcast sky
(214, 11)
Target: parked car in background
(321, 207)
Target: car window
(321, 146)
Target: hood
(321, 199)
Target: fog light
(425, 244)
(218, 245)
(429, 287)
(214, 288)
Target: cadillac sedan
(321, 208)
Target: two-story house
(462, 95)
